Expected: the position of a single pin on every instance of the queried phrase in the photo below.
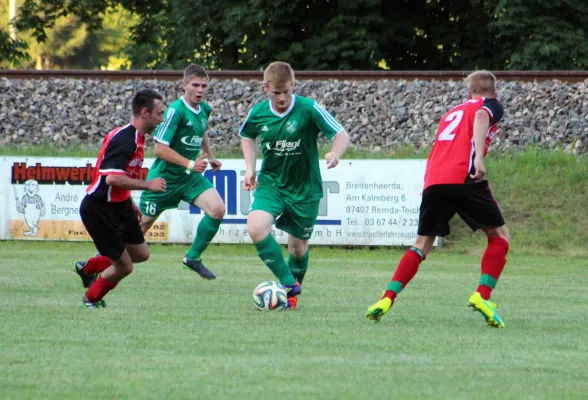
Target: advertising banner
(365, 202)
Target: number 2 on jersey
(455, 118)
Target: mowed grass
(166, 333)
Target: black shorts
(474, 203)
(111, 225)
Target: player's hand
(215, 164)
(332, 160)
(157, 185)
(200, 164)
(137, 212)
(480, 170)
(250, 180)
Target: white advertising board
(365, 202)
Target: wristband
(190, 167)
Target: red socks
(98, 289)
(406, 270)
(97, 264)
(493, 263)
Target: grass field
(168, 334)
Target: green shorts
(293, 217)
(152, 204)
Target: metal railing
(172, 75)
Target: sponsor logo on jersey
(291, 126)
(137, 162)
(189, 123)
(284, 146)
(192, 141)
(265, 128)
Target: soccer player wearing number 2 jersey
(290, 184)
(456, 183)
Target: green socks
(299, 266)
(270, 253)
(205, 232)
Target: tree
(333, 34)
(11, 51)
(541, 34)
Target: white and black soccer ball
(270, 296)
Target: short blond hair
(481, 82)
(195, 70)
(278, 73)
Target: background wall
(378, 114)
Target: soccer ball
(270, 296)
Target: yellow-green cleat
(487, 309)
(376, 311)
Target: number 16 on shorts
(150, 208)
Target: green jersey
(183, 130)
(289, 145)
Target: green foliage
(328, 35)
(541, 34)
(11, 51)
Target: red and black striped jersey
(122, 153)
(452, 156)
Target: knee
(256, 230)
(424, 244)
(217, 211)
(500, 232)
(124, 269)
(141, 256)
(145, 226)
(298, 250)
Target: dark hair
(144, 98)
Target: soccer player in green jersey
(179, 139)
(289, 187)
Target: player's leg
(407, 268)
(108, 279)
(147, 222)
(265, 208)
(96, 220)
(298, 257)
(435, 212)
(153, 204)
(479, 209)
(494, 259)
(208, 200)
(298, 221)
(89, 270)
(105, 224)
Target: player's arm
(331, 128)
(206, 149)
(169, 155)
(248, 133)
(119, 152)
(164, 135)
(481, 126)
(340, 145)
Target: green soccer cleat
(376, 311)
(487, 309)
(92, 304)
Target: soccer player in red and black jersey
(108, 212)
(456, 183)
